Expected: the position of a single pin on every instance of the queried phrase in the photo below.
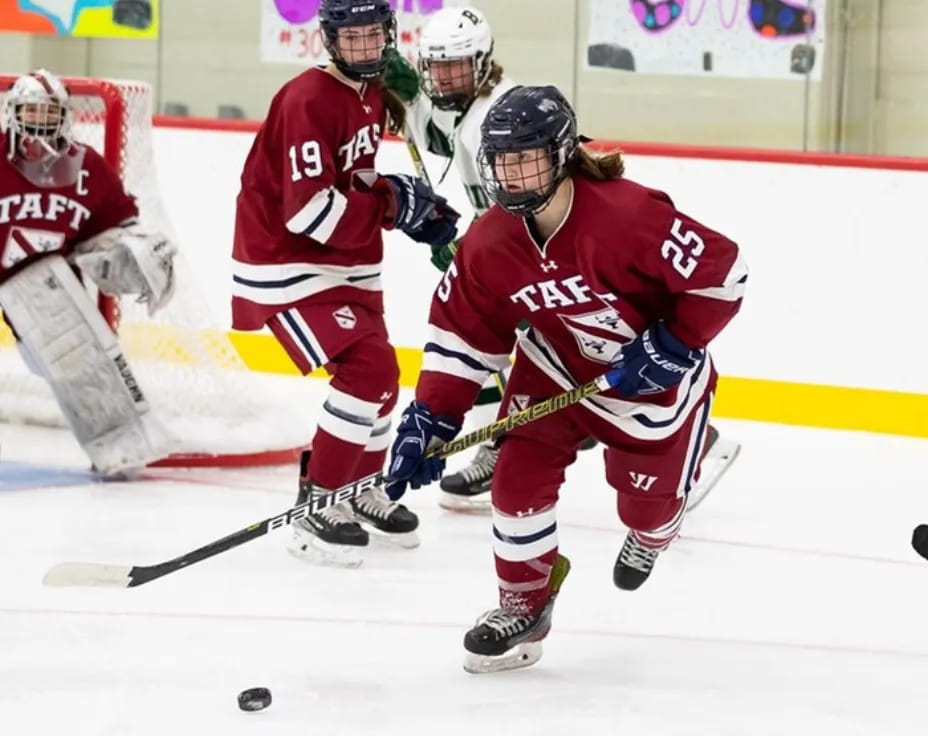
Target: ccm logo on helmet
(363, 8)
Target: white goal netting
(195, 380)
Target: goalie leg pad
(70, 345)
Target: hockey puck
(254, 698)
(920, 540)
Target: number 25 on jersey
(675, 249)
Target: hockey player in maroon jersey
(307, 261)
(63, 211)
(612, 279)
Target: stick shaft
(113, 575)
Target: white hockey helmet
(36, 116)
(454, 34)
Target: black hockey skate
(331, 537)
(634, 563)
(501, 640)
(385, 519)
(469, 488)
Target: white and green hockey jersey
(456, 136)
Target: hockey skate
(719, 455)
(502, 640)
(386, 520)
(469, 489)
(634, 564)
(331, 537)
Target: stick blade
(88, 574)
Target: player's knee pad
(370, 372)
(347, 416)
(527, 535)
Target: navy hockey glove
(418, 431)
(653, 362)
(423, 215)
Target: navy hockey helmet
(336, 14)
(527, 139)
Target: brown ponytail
(496, 74)
(396, 111)
(599, 167)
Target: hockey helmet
(455, 35)
(337, 14)
(36, 116)
(526, 141)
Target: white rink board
(838, 256)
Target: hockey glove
(442, 255)
(653, 362)
(400, 77)
(418, 432)
(423, 215)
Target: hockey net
(220, 412)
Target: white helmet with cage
(453, 36)
(36, 116)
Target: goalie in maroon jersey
(611, 278)
(64, 211)
(307, 261)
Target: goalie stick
(129, 576)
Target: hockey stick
(129, 576)
(416, 155)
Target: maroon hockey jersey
(623, 258)
(303, 232)
(36, 220)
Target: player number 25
(312, 161)
(444, 286)
(673, 250)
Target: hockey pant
(351, 342)
(650, 478)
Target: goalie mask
(36, 119)
(357, 34)
(526, 141)
(455, 57)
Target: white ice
(792, 604)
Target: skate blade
(714, 465)
(479, 504)
(406, 540)
(521, 655)
(309, 548)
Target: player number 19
(674, 250)
(311, 160)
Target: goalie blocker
(65, 340)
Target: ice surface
(792, 604)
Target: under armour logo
(642, 481)
(528, 512)
(386, 395)
(549, 266)
(367, 109)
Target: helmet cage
(36, 112)
(552, 160)
(337, 14)
(526, 119)
(466, 85)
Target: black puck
(254, 698)
(920, 540)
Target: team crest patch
(345, 318)
(517, 403)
